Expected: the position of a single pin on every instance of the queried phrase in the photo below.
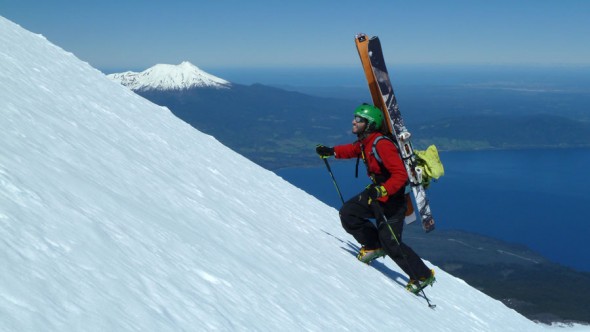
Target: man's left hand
(375, 192)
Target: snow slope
(117, 216)
(169, 77)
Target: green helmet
(373, 115)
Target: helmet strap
(362, 135)
(369, 128)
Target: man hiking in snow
(389, 176)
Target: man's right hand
(324, 151)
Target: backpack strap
(374, 148)
(380, 161)
(374, 152)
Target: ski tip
(361, 37)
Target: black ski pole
(333, 179)
(379, 214)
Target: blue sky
(131, 34)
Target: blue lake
(532, 197)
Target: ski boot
(415, 286)
(368, 255)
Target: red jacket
(388, 154)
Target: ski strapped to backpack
(383, 97)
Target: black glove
(324, 151)
(375, 192)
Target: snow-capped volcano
(169, 77)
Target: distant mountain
(165, 77)
(272, 127)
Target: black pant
(354, 216)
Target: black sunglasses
(358, 119)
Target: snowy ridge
(117, 216)
(169, 77)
